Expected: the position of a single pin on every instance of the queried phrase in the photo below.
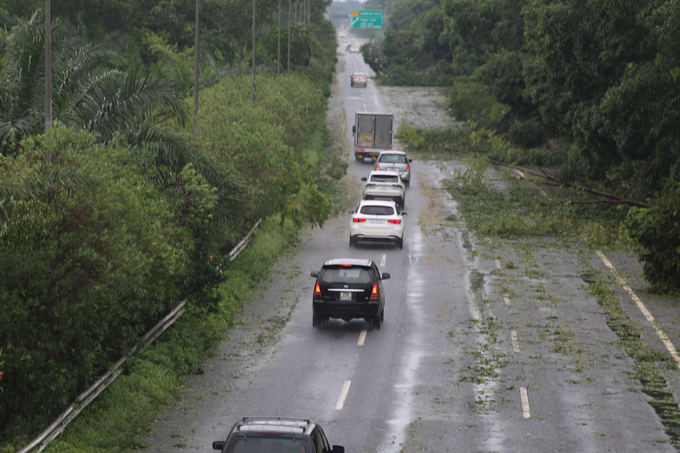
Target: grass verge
(116, 420)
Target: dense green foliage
(657, 231)
(148, 31)
(118, 210)
(117, 418)
(603, 75)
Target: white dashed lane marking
(515, 343)
(362, 338)
(526, 413)
(662, 335)
(505, 298)
(343, 395)
(382, 261)
(498, 264)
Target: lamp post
(278, 58)
(48, 66)
(289, 11)
(196, 71)
(253, 87)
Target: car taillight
(395, 221)
(398, 186)
(358, 219)
(374, 292)
(377, 166)
(408, 166)
(360, 149)
(317, 291)
(370, 185)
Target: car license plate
(373, 154)
(345, 296)
(375, 221)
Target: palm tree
(91, 93)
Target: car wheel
(400, 243)
(352, 242)
(376, 322)
(382, 316)
(316, 321)
(408, 183)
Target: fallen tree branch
(614, 198)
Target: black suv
(276, 435)
(349, 288)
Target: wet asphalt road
(455, 367)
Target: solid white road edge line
(505, 298)
(515, 343)
(382, 261)
(362, 337)
(662, 335)
(343, 395)
(526, 413)
(498, 264)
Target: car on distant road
(359, 78)
(384, 185)
(276, 434)
(393, 160)
(377, 221)
(349, 288)
(354, 48)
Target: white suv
(377, 221)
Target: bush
(83, 268)
(657, 231)
(472, 101)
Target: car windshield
(346, 274)
(384, 178)
(264, 445)
(393, 158)
(377, 210)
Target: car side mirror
(385, 276)
(315, 274)
(338, 449)
(354, 129)
(363, 179)
(219, 445)
(404, 213)
(410, 160)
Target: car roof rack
(283, 419)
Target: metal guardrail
(242, 245)
(57, 427)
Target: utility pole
(253, 88)
(48, 66)
(278, 58)
(289, 11)
(196, 72)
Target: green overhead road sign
(367, 18)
